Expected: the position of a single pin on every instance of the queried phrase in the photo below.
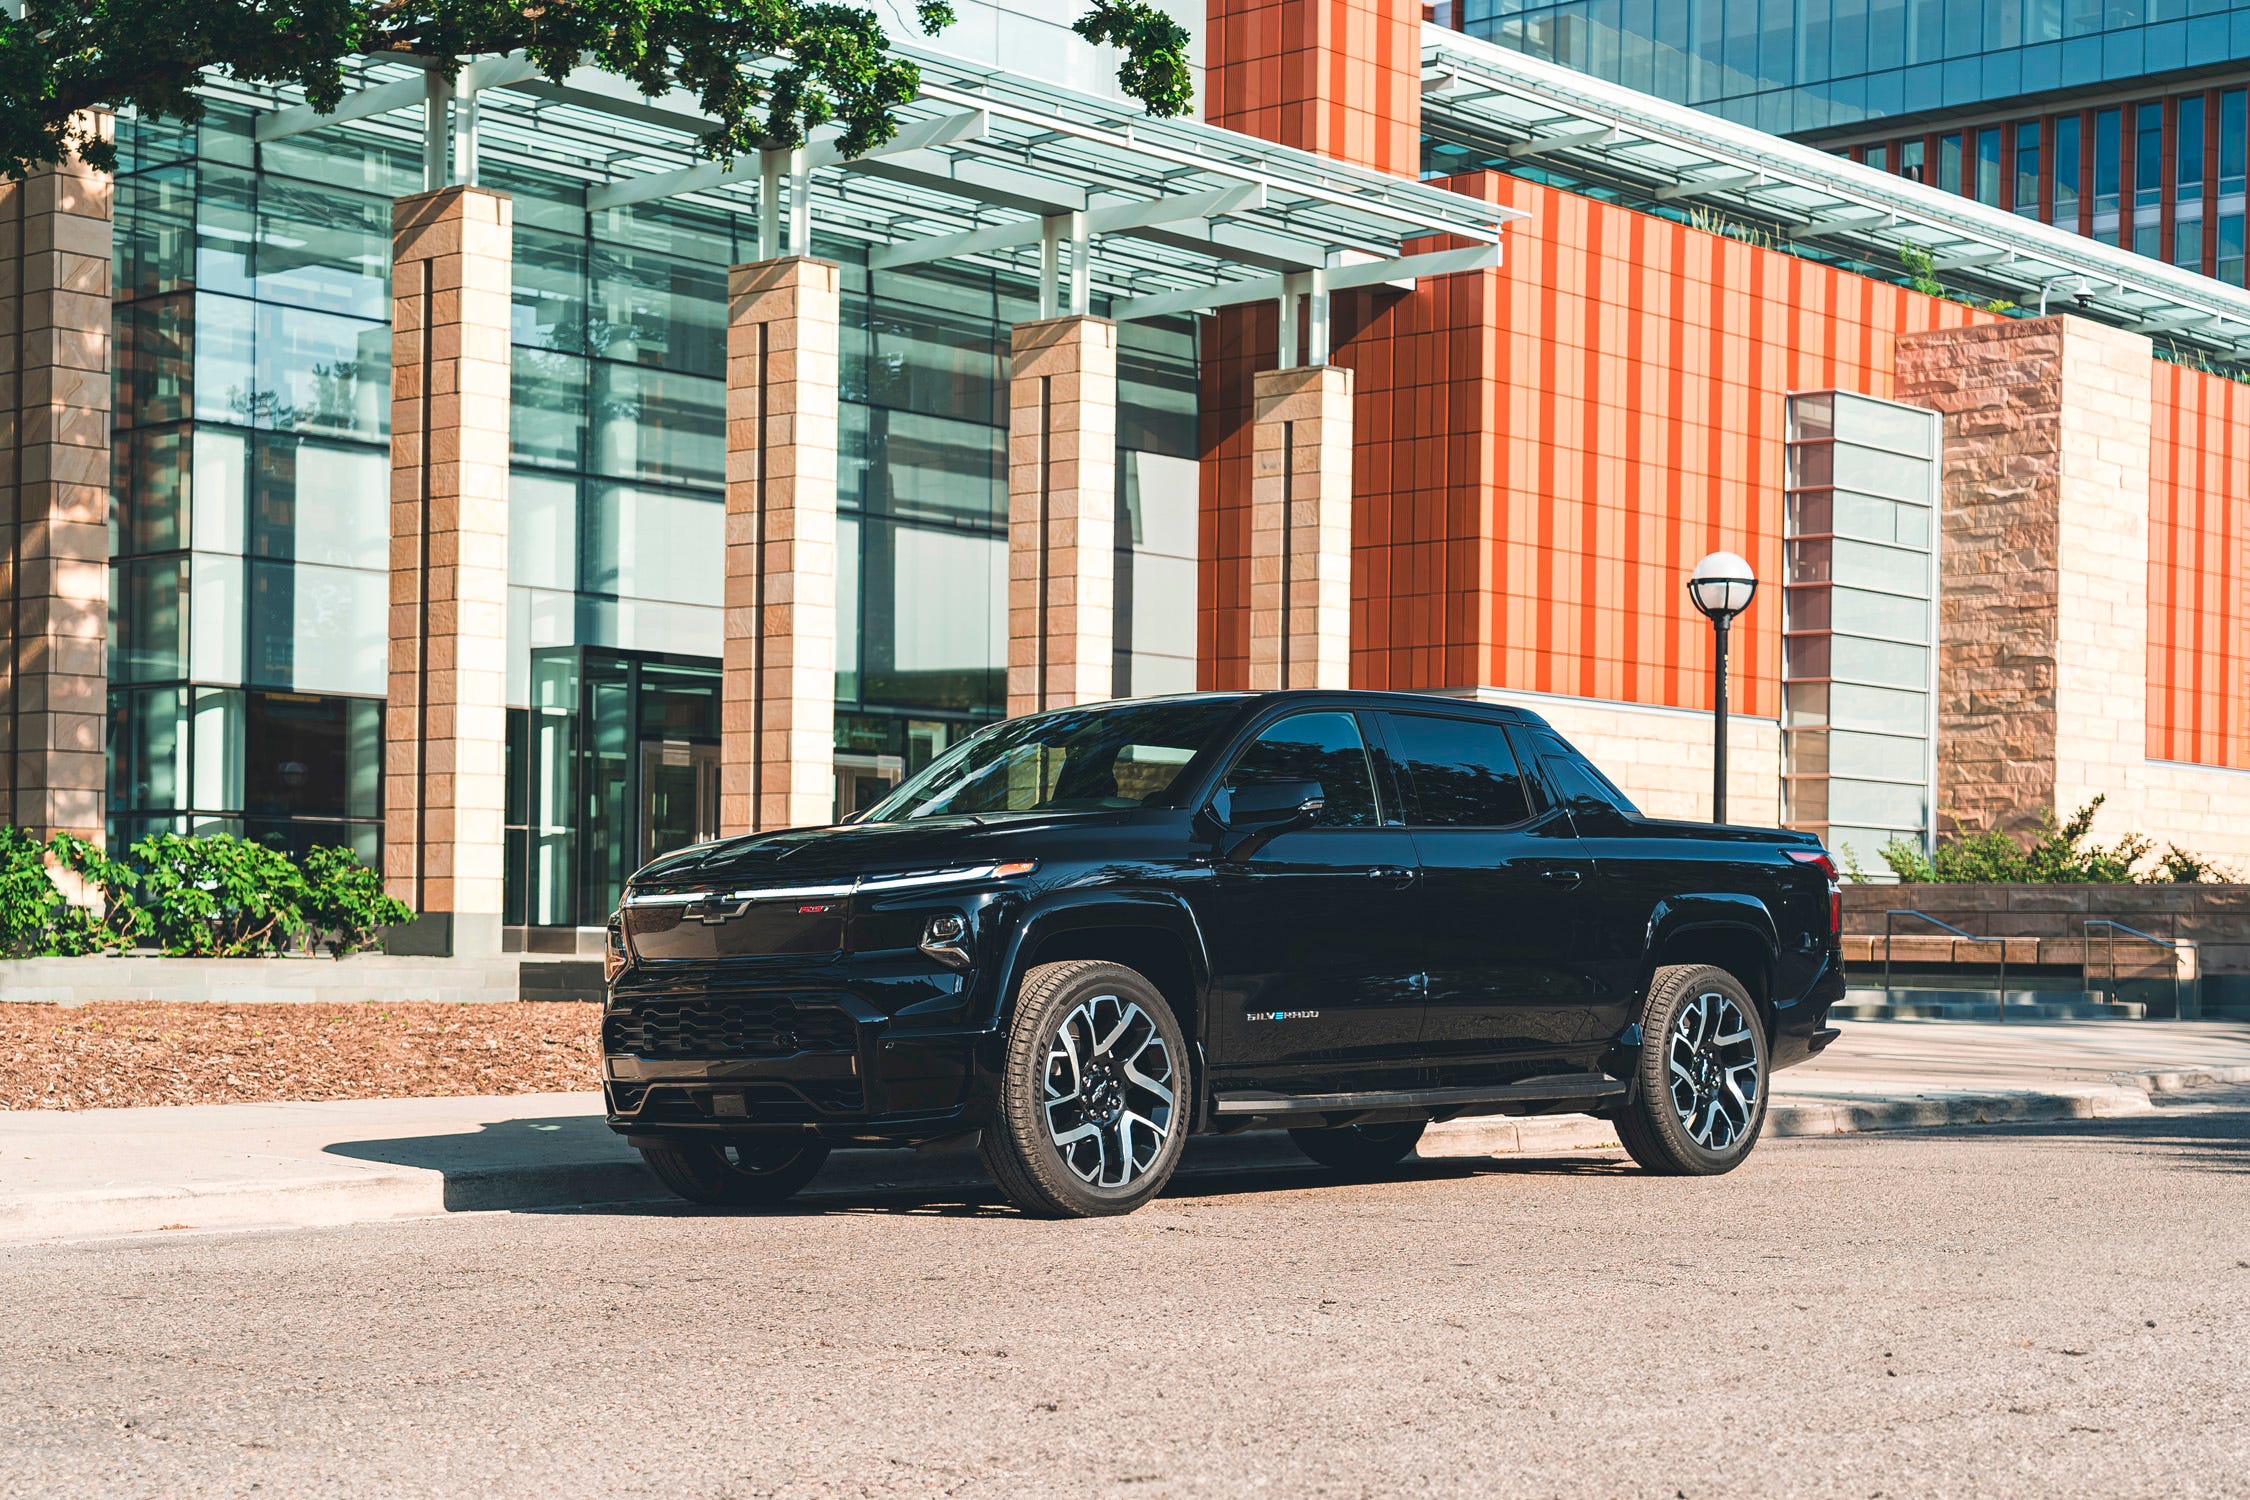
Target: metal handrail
(1903, 911)
(2109, 988)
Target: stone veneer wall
(2043, 682)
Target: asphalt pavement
(2040, 1309)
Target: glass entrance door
(679, 796)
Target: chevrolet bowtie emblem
(712, 913)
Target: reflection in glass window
(655, 424)
(147, 620)
(1071, 760)
(1322, 747)
(321, 502)
(2066, 173)
(319, 629)
(147, 749)
(2027, 169)
(655, 544)
(321, 248)
(1459, 773)
(651, 309)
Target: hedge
(207, 896)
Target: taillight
(1823, 861)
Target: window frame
(1388, 812)
(1535, 802)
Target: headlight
(615, 955)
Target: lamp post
(1722, 586)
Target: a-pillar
(2043, 566)
(778, 709)
(54, 497)
(1301, 529)
(445, 726)
(1062, 512)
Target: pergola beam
(1696, 187)
(943, 130)
(398, 94)
(1339, 278)
(1114, 218)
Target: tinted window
(1315, 747)
(1458, 773)
(1572, 777)
(1072, 760)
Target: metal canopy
(1484, 105)
(989, 167)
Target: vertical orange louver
(2199, 532)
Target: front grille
(715, 1026)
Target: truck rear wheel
(736, 1174)
(1701, 1095)
(1093, 1107)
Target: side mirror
(1274, 805)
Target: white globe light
(1722, 585)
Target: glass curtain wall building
(2119, 119)
(249, 635)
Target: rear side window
(1323, 747)
(1458, 773)
(1577, 781)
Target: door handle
(1566, 880)
(1395, 875)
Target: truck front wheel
(1701, 1099)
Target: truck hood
(795, 855)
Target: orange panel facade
(1547, 448)
(2199, 530)
(1339, 77)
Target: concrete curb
(2125, 1094)
(306, 1202)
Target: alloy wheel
(1109, 1091)
(1713, 1061)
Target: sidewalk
(119, 1171)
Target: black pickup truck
(1076, 938)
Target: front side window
(1322, 747)
(1075, 760)
(1459, 773)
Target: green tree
(63, 57)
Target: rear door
(1312, 932)
(1506, 913)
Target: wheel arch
(1152, 933)
(1727, 930)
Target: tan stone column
(445, 727)
(54, 497)
(2043, 566)
(1301, 529)
(777, 757)
(1062, 512)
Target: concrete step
(1922, 1004)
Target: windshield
(1073, 760)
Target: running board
(1576, 1088)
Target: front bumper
(886, 1058)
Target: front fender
(1073, 911)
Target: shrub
(121, 920)
(30, 901)
(345, 903)
(2059, 853)
(218, 896)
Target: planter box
(2216, 918)
(361, 978)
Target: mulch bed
(129, 1053)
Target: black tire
(1703, 1118)
(1078, 1131)
(1360, 1150)
(746, 1173)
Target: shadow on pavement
(2210, 1134)
(531, 1163)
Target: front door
(1509, 918)
(1318, 981)
(679, 795)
